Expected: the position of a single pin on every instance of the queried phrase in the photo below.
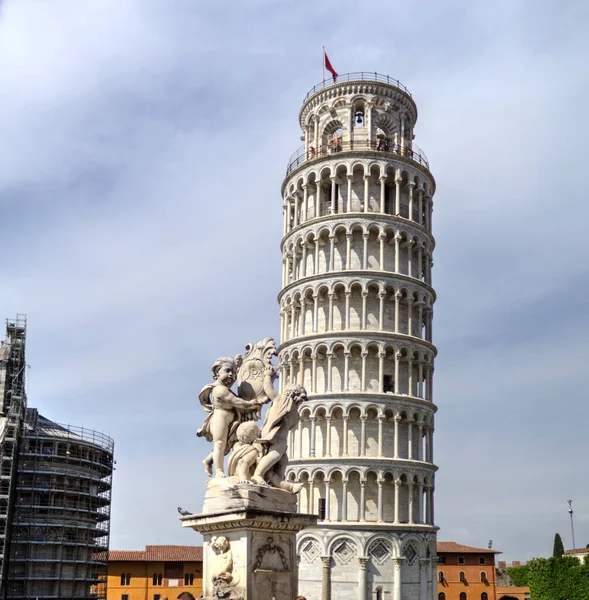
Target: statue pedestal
(249, 550)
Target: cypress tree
(558, 546)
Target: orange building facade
(467, 573)
(156, 573)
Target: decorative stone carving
(221, 570)
(250, 375)
(271, 557)
(258, 457)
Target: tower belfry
(356, 311)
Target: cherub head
(220, 544)
(248, 432)
(224, 371)
(297, 392)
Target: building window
(321, 511)
(189, 579)
(462, 595)
(388, 384)
(124, 596)
(157, 597)
(483, 577)
(441, 576)
(157, 579)
(484, 596)
(482, 560)
(441, 560)
(441, 596)
(462, 577)
(461, 560)
(125, 578)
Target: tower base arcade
(359, 564)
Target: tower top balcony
(360, 112)
(362, 83)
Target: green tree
(558, 546)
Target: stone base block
(249, 554)
(223, 494)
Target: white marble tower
(356, 312)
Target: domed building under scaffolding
(61, 523)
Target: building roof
(158, 554)
(577, 551)
(455, 547)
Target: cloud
(142, 152)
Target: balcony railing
(358, 76)
(387, 148)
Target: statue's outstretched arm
(268, 387)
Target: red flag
(330, 68)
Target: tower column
(328, 437)
(331, 253)
(344, 499)
(397, 578)
(398, 182)
(410, 187)
(381, 357)
(349, 203)
(313, 433)
(325, 578)
(380, 435)
(381, 297)
(345, 435)
(362, 564)
(379, 499)
(347, 315)
(366, 192)
(333, 196)
(362, 499)
(397, 487)
(397, 420)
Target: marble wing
(205, 397)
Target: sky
(142, 148)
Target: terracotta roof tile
(173, 553)
(126, 555)
(455, 547)
(577, 551)
(158, 553)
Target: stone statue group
(259, 454)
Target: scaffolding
(12, 416)
(61, 521)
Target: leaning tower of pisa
(356, 312)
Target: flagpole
(323, 63)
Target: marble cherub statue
(246, 452)
(226, 410)
(281, 418)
